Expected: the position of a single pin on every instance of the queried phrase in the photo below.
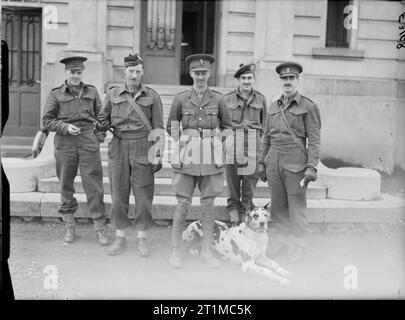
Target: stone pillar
(87, 37)
(273, 41)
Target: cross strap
(296, 140)
(138, 110)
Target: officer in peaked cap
(289, 157)
(248, 110)
(289, 69)
(204, 116)
(135, 112)
(69, 111)
(74, 63)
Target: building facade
(352, 67)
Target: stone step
(19, 147)
(388, 209)
(163, 187)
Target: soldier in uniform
(69, 111)
(248, 111)
(203, 115)
(135, 113)
(289, 157)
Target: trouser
(73, 152)
(129, 167)
(210, 187)
(237, 202)
(285, 169)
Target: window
(336, 33)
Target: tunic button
(199, 118)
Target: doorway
(21, 29)
(199, 22)
(170, 31)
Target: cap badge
(252, 67)
(288, 69)
(201, 61)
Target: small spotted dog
(245, 244)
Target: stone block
(352, 183)
(25, 204)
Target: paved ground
(84, 271)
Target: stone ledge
(338, 53)
(163, 187)
(388, 209)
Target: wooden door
(21, 29)
(160, 41)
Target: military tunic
(253, 109)
(129, 164)
(203, 123)
(63, 107)
(286, 162)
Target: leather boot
(175, 259)
(234, 217)
(118, 246)
(102, 237)
(70, 226)
(207, 222)
(179, 220)
(142, 247)
(70, 235)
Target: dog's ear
(248, 209)
(267, 206)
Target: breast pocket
(212, 115)
(254, 112)
(296, 118)
(188, 115)
(66, 106)
(236, 112)
(274, 118)
(87, 105)
(119, 108)
(146, 106)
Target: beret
(132, 60)
(249, 68)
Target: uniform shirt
(65, 106)
(117, 112)
(209, 113)
(304, 118)
(253, 108)
(195, 117)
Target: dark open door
(199, 24)
(160, 40)
(21, 29)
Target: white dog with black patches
(245, 244)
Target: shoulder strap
(296, 140)
(138, 111)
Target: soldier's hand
(73, 130)
(157, 167)
(310, 175)
(261, 172)
(100, 136)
